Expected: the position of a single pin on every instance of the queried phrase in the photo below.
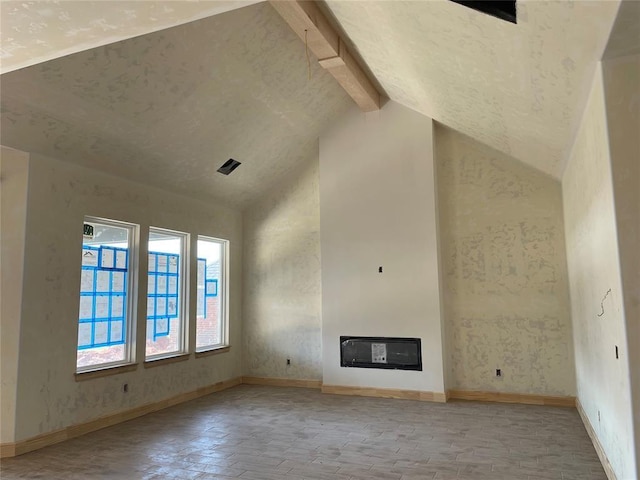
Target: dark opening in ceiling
(504, 9)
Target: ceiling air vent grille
(229, 166)
(503, 9)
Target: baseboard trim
(423, 396)
(604, 460)
(524, 398)
(51, 438)
(282, 382)
(7, 450)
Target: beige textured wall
(60, 194)
(282, 291)
(504, 271)
(14, 177)
(622, 96)
(603, 384)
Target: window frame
(183, 294)
(131, 320)
(223, 295)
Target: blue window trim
(157, 317)
(110, 319)
(211, 287)
(203, 261)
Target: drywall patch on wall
(282, 290)
(14, 177)
(60, 194)
(593, 258)
(377, 208)
(504, 271)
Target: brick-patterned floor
(263, 433)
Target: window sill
(166, 360)
(105, 372)
(213, 351)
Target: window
(166, 292)
(211, 318)
(106, 299)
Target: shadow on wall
(282, 280)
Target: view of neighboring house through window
(166, 292)
(106, 299)
(211, 320)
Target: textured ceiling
(35, 31)
(168, 108)
(518, 88)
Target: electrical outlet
(288, 361)
(498, 372)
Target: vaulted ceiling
(169, 107)
(515, 87)
(35, 31)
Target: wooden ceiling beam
(310, 24)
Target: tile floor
(264, 433)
